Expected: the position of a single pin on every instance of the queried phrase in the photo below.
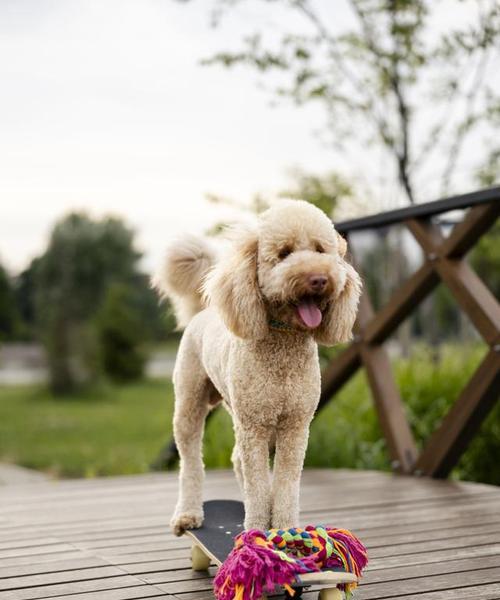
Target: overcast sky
(105, 107)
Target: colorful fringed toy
(261, 561)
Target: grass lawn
(121, 429)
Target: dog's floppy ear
(338, 320)
(232, 287)
(342, 245)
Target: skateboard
(215, 539)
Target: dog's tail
(186, 263)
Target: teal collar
(280, 325)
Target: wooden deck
(107, 539)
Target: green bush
(120, 335)
(430, 389)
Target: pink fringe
(252, 569)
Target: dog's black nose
(317, 283)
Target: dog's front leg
(291, 444)
(253, 452)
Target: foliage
(117, 429)
(324, 191)
(9, 316)
(383, 262)
(24, 289)
(377, 79)
(430, 389)
(83, 258)
(485, 258)
(120, 334)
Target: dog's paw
(186, 520)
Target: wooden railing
(444, 262)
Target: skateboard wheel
(199, 560)
(331, 594)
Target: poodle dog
(252, 323)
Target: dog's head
(290, 270)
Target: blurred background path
(24, 363)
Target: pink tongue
(309, 313)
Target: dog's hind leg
(193, 391)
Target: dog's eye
(319, 248)
(284, 252)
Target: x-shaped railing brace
(444, 261)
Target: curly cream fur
(267, 378)
(186, 263)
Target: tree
(485, 257)
(120, 334)
(9, 316)
(393, 81)
(24, 290)
(324, 191)
(83, 258)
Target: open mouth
(309, 312)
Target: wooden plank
(43, 558)
(165, 482)
(342, 488)
(433, 525)
(50, 522)
(392, 538)
(421, 210)
(419, 585)
(468, 290)
(400, 515)
(488, 591)
(467, 541)
(47, 579)
(389, 406)
(449, 441)
(401, 304)
(338, 372)
(81, 562)
(14, 544)
(181, 587)
(437, 556)
(431, 531)
(385, 504)
(78, 587)
(167, 564)
(390, 410)
(430, 569)
(134, 593)
(147, 544)
(473, 296)
(206, 595)
(46, 549)
(477, 222)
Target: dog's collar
(280, 325)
